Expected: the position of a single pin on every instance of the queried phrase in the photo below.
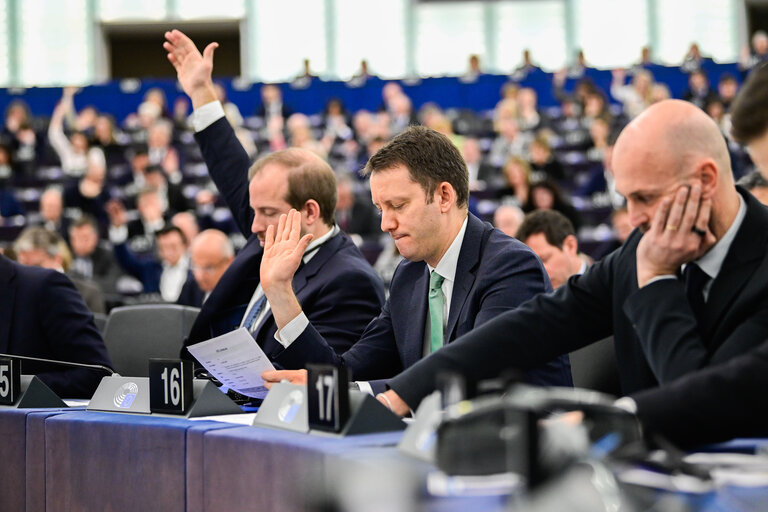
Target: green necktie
(436, 303)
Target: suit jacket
(495, 273)
(42, 315)
(363, 219)
(147, 270)
(106, 270)
(337, 288)
(655, 332)
(191, 294)
(713, 404)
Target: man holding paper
(337, 288)
(459, 272)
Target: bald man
(210, 254)
(672, 165)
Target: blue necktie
(250, 318)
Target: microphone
(106, 369)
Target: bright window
(446, 35)
(373, 30)
(611, 32)
(710, 23)
(284, 33)
(537, 25)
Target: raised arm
(193, 69)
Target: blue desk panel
(103, 461)
(16, 453)
(251, 468)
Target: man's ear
(570, 245)
(311, 212)
(709, 174)
(445, 195)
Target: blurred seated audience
(693, 59)
(355, 213)
(89, 195)
(52, 212)
(39, 247)
(544, 166)
(751, 58)
(699, 93)
(516, 185)
(481, 174)
(508, 218)
(546, 195)
(634, 97)
(90, 260)
(210, 254)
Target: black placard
(10, 380)
(327, 397)
(170, 385)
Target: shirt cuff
(626, 403)
(365, 387)
(661, 278)
(292, 330)
(206, 115)
(118, 234)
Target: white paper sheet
(236, 360)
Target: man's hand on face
(192, 68)
(272, 377)
(283, 251)
(679, 234)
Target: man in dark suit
(336, 286)
(40, 247)
(42, 315)
(354, 214)
(458, 274)
(90, 261)
(672, 165)
(726, 400)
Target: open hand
(283, 250)
(193, 69)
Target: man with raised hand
(337, 288)
(459, 272)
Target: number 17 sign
(327, 397)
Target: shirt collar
(446, 267)
(713, 259)
(314, 245)
(183, 263)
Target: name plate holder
(336, 410)
(285, 408)
(132, 395)
(420, 438)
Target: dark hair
(749, 111)
(170, 228)
(554, 225)
(430, 157)
(309, 177)
(85, 220)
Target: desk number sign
(10, 380)
(327, 397)
(170, 385)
